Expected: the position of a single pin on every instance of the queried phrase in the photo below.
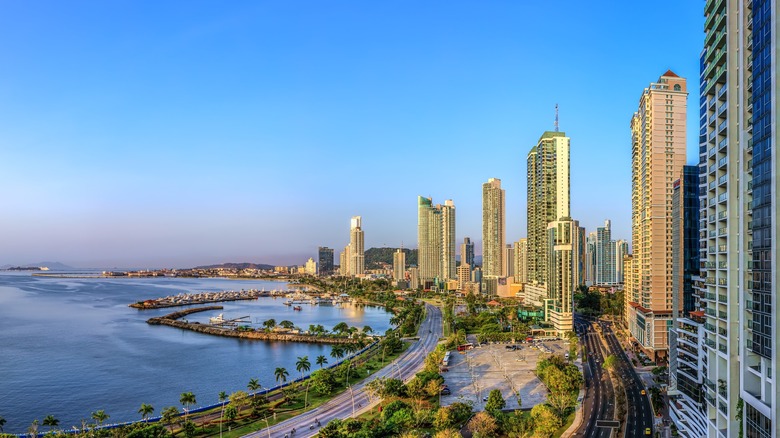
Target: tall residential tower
(436, 240)
(493, 228)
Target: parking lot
(472, 374)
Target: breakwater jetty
(200, 298)
(172, 320)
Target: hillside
(375, 256)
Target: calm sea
(69, 347)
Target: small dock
(199, 298)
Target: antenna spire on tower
(556, 117)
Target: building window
(677, 87)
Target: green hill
(375, 256)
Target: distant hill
(54, 266)
(375, 256)
(238, 266)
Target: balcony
(722, 92)
(724, 299)
(722, 348)
(723, 161)
(722, 110)
(722, 215)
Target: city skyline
(251, 132)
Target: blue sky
(151, 134)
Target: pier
(200, 298)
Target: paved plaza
(474, 373)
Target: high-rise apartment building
(436, 240)
(565, 272)
(590, 259)
(509, 261)
(467, 252)
(658, 155)
(621, 251)
(738, 165)
(605, 255)
(686, 356)
(521, 260)
(310, 268)
(344, 262)
(493, 228)
(399, 264)
(325, 260)
(548, 197)
(355, 253)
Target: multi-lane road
(599, 391)
(356, 401)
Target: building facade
(356, 252)
(493, 229)
(658, 155)
(521, 260)
(467, 252)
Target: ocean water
(72, 346)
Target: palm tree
(321, 360)
(51, 422)
(100, 416)
(222, 398)
(337, 352)
(281, 374)
(253, 385)
(187, 399)
(367, 329)
(2, 423)
(145, 411)
(269, 323)
(340, 328)
(287, 324)
(302, 365)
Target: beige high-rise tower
(548, 198)
(493, 228)
(436, 240)
(658, 156)
(356, 257)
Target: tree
(281, 374)
(495, 402)
(303, 365)
(482, 425)
(610, 363)
(100, 416)
(230, 415)
(145, 411)
(33, 429)
(323, 381)
(321, 360)
(189, 429)
(51, 422)
(222, 398)
(239, 399)
(269, 323)
(546, 421)
(187, 399)
(367, 329)
(169, 416)
(2, 424)
(341, 328)
(337, 352)
(287, 324)
(447, 433)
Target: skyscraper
(621, 251)
(356, 257)
(590, 259)
(493, 228)
(738, 168)
(325, 260)
(566, 261)
(467, 252)
(399, 264)
(509, 261)
(605, 255)
(521, 260)
(658, 154)
(686, 356)
(435, 240)
(548, 197)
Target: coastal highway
(357, 401)
(599, 401)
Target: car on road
(648, 431)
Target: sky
(155, 134)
